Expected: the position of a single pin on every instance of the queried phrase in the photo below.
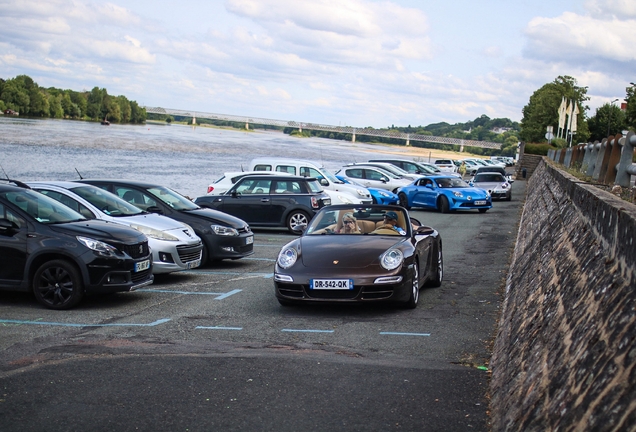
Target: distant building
(500, 130)
(11, 112)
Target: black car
(271, 201)
(224, 236)
(57, 253)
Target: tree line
(542, 111)
(24, 96)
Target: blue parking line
(221, 296)
(405, 334)
(218, 328)
(161, 321)
(307, 331)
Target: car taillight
(210, 189)
(314, 202)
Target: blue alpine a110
(444, 193)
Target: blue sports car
(444, 193)
(380, 196)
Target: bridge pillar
(247, 126)
(408, 140)
(194, 120)
(353, 136)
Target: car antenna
(78, 173)
(16, 182)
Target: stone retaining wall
(565, 354)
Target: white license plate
(142, 265)
(193, 264)
(331, 284)
(249, 240)
(480, 202)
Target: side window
(262, 167)
(251, 186)
(374, 175)
(5, 213)
(69, 202)
(354, 173)
(287, 187)
(135, 197)
(286, 169)
(312, 172)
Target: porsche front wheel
(415, 288)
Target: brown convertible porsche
(359, 254)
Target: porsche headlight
(392, 259)
(154, 233)
(98, 246)
(287, 257)
(224, 231)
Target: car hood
(489, 185)
(473, 192)
(101, 230)
(351, 251)
(217, 216)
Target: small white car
(494, 183)
(373, 176)
(174, 245)
(446, 165)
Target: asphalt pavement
(211, 349)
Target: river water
(184, 158)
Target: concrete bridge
(328, 128)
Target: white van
(309, 169)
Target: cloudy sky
(338, 62)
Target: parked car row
(63, 240)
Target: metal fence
(609, 161)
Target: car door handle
(264, 199)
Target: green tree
(94, 103)
(15, 97)
(630, 113)
(542, 110)
(608, 120)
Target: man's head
(391, 217)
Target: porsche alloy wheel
(439, 270)
(415, 288)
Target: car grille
(141, 276)
(369, 292)
(189, 253)
(245, 249)
(245, 229)
(137, 250)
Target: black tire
(415, 288)
(57, 284)
(296, 218)
(444, 206)
(404, 201)
(205, 256)
(483, 210)
(439, 269)
(509, 198)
